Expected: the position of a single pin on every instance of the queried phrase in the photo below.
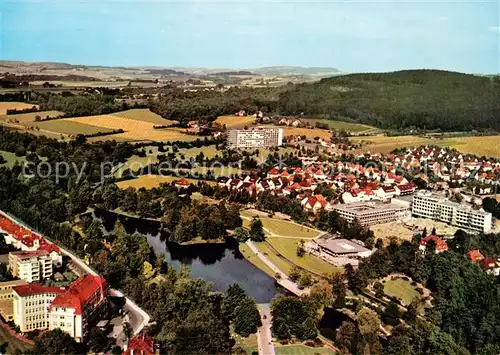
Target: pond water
(222, 263)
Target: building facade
(30, 266)
(255, 138)
(430, 205)
(79, 307)
(7, 298)
(31, 303)
(374, 212)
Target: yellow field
(309, 133)
(152, 181)
(235, 121)
(144, 115)
(135, 130)
(4, 106)
(29, 117)
(487, 145)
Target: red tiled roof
(142, 344)
(475, 255)
(273, 172)
(19, 232)
(488, 263)
(35, 288)
(50, 248)
(28, 254)
(78, 294)
(182, 182)
(440, 244)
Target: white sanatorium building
(430, 205)
(255, 138)
(374, 212)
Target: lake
(221, 263)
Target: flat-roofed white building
(31, 304)
(337, 251)
(374, 212)
(30, 265)
(431, 205)
(255, 138)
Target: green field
(255, 260)
(68, 127)
(280, 262)
(287, 248)
(300, 350)
(30, 116)
(14, 345)
(249, 344)
(282, 227)
(348, 126)
(144, 115)
(208, 152)
(11, 158)
(401, 289)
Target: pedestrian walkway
(283, 280)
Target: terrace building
(7, 298)
(255, 138)
(430, 205)
(374, 212)
(30, 265)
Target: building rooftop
(79, 293)
(29, 254)
(339, 246)
(141, 344)
(361, 208)
(35, 288)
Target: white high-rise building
(430, 205)
(255, 138)
(30, 265)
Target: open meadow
(479, 145)
(30, 116)
(309, 133)
(4, 106)
(67, 127)
(401, 289)
(352, 127)
(232, 121)
(144, 115)
(152, 181)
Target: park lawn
(144, 115)
(287, 247)
(30, 116)
(208, 152)
(152, 181)
(232, 121)
(277, 260)
(64, 126)
(250, 344)
(300, 350)
(4, 106)
(401, 289)
(286, 228)
(479, 145)
(348, 126)
(254, 259)
(14, 345)
(135, 163)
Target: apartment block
(30, 265)
(31, 303)
(374, 212)
(255, 138)
(431, 205)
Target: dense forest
(424, 99)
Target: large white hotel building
(255, 138)
(430, 205)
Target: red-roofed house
(475, 255)
(490, 265)
(141, 344)
(30, 303)
(81, 305)
(182, 183)
(440, 244)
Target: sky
(350, 35)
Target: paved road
(264, 336)
(283, 280)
